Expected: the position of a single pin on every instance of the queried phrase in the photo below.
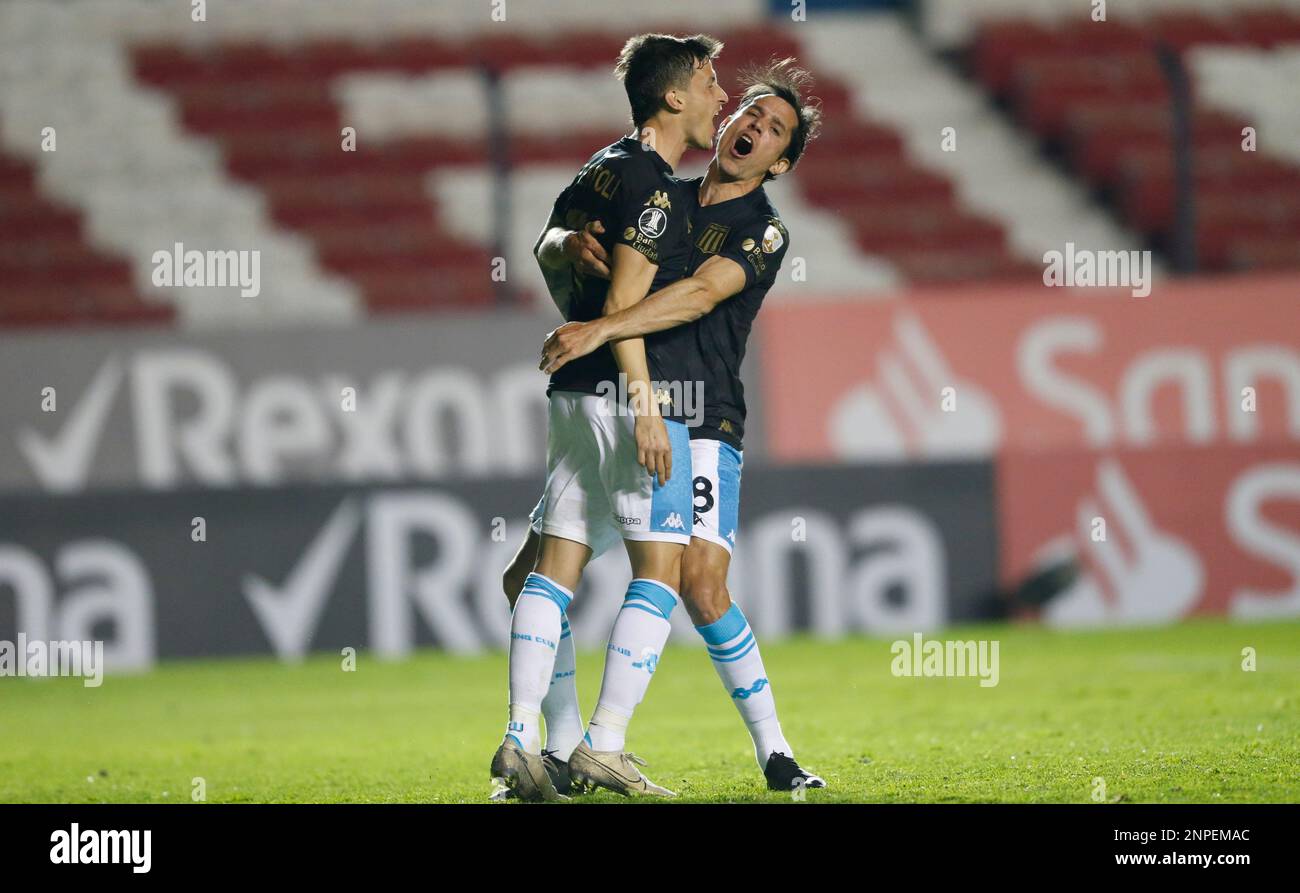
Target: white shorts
(715, 491)
(596, 492)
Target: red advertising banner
(967, 373)
(1158, 534)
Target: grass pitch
(1162, 715)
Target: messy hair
(783, 79)
(652, 64)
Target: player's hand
(653, 450)
(567, 343)
(585, 252)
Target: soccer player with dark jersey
(738, 244)
(612, 444)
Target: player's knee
(704, 594)
(512, 581)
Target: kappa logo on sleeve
(660, 200)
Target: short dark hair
(783, 79)
(652, 64)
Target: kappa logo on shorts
(620, 519)
(674, 521)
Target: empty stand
(1094, 93)
(52, 275)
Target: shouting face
(753, 141)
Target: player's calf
(516, 573)
(731, 645)
(704, 584)
(635, 643)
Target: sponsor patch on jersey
(652, 223)
(747, 245)
(772, 239)
(629, 233)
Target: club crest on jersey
(660, 200)
(652, 223)
(772, 239)
(712, 238)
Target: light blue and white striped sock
(560, 706)
(535, 629)
(635, 643)
(734, 652)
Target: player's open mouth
(743, 146)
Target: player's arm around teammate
(558, 248)
(685, 301)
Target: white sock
(734, 652)
(635, 643)
(534, 636)
(560, 706)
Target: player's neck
(715, 190)
(668, 141)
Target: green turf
(1163, 715)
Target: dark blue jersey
(629, 189)
(748, 231)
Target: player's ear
(782, 165)
(674, 99)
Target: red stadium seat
(1268, 27)
(1000, 46)
(1184, 28)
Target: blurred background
(346, 456)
